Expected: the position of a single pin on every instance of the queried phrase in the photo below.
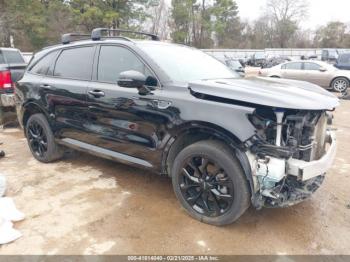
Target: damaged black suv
(226, 142)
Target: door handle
(47, 87)
(97, 93)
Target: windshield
(185, 64)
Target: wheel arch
(336, 77)
(192, 132)
(29, 109)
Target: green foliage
(333, 35)
(181, 15)
(194, 22)
(33, 24)
(227, 24)
(37, 23)
(30, 27)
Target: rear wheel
(209, 183)
(340, 84)
(41, 140)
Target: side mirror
(322, 69)
(131, 79)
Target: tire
(340, 84)
(224, 178)
(41, 139)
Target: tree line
(33, 24)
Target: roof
(9, 49)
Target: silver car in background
(317, 72)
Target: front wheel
(340, 84)
(41, 139)
(209, 183)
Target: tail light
(5, 80)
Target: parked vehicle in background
(236, 66)
(309, 57)
(232, 63)
(316, 72)
(226, 142)
(27, 56)
(12, 67)
(275, 60)
(343, 61)
(258, 59)
(329, 55)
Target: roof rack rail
(96, 34)
(68, 38)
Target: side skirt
(105, 153)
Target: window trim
(311, 69)
(52, 62)
(97, 56)
(74, 47)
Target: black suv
(225, 141)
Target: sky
(320, 11)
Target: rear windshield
(12, 57)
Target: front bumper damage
(286, 182)
(307, 170)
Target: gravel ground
(87, 205)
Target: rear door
(292, 70)
(64, 88)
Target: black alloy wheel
(209, 182)
(206, 187)
(41, 140)
(37, 139)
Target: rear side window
(292, 66)
(42, 67)
(13, 57)
(344, 59)
(75, 63)
(115, 59)
(311, 66)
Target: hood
(272, 92)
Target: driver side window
(115, 59)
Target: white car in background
(317, 72)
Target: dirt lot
(87, 205)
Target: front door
(292, 70)
(122, 120)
